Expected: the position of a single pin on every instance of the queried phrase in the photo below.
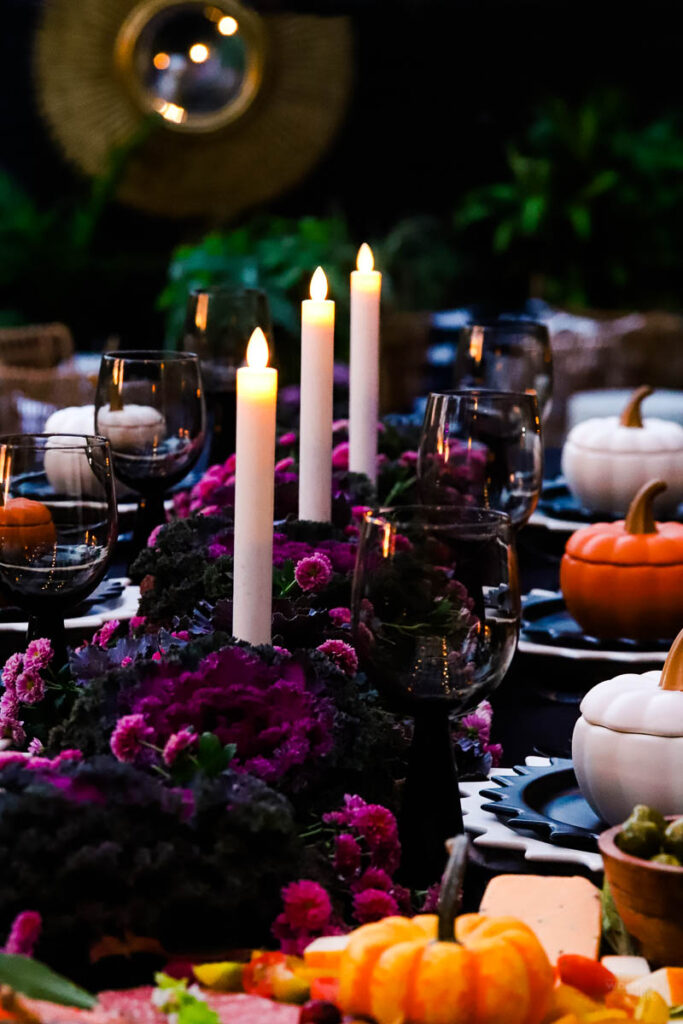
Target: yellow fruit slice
(224, 977)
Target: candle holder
(435, 620)
(57, 525)
(151, 407)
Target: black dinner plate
(557, 502)
(546, 801)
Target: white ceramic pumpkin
(606, 460)
(131, 427)
(70, 472)
(628, 743)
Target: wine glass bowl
(482, 447)
(58, 523)
(151, 407)
(512, 355)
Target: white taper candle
(366, 285)
(315, 423)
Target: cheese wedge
(563, 912)
(667, 981)
(626, 968)
(322, 956)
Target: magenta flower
(216, 550)
(340, 456)
(11, 670)
(39, 653)
(104, 635)
(35, 747)
(284, 464)
(126, 661)
(29, 687)
(9, 757)
(342, 654)
(306, 905)
(340, 616)
(347, 855)
(177, 744)
(373, 878)
(373, 905)
(24, 933)
(154, 535)
(313, 573)
(408, 458)
(127, 740)
(136, 622)
(287, 439)
(9, 706)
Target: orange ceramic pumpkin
(26, 529)
(394, 970)
(625, 579)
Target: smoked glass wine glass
(435, 618)
(482, 448)
(151, 407)
(508, 355)
(58, 525)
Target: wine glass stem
(52, 627)
(431, 811)
(150, 513)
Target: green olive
(673, 838)
(666, 858)
(639, 838)
(641, 812)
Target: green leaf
(675, 1012)
(613, 929)
(35, 980)
(580, 219)
(212, 756)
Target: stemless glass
(510, 355)
(151, 407)
(435, 619)
(218, 325)
(57, 525)
(484, 448)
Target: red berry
(318, 1011)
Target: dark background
(441, 87)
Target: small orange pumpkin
(625, 579)
(26, 529)
(395, 970)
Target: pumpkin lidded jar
(625, 579)
(606, 459)
(627, 745)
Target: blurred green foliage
(591, 206)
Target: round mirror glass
(196, 64)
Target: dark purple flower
(372, 905)
(347, 855)
(313, 573)
(342, 654)
(24, 933)
(216, 550)
(130, 734)
(306, 905)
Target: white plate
(490, 833)
(122, 607)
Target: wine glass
(58, 525)
(510, 355)
(218, 325)
(436, 611)
(482, 447)
(151, 407)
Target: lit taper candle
(366, 285)
(315, 426)
(254, 495)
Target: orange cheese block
(563, 912)
(667, 981)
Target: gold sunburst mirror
(206, 109)
(199, 65)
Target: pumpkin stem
(672, 673)
(631, 416)
(450, 897)
(640, 518)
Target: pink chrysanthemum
(127, 740)
(342, 654)
(313, 572)
(340, 456)
(24, 933)
(30, 687)
(287, 439)
(340, 616)
(125, 662)
(177, 744)
(306, 905)
(104, 635)
(154, 535)
(373, 878)
(35, 747)
(373, 904)
(39, 653)
(347, 855)
(11, 670)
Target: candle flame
(365, 261)
(257, 350)
(319, 285)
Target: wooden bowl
(649, 898)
